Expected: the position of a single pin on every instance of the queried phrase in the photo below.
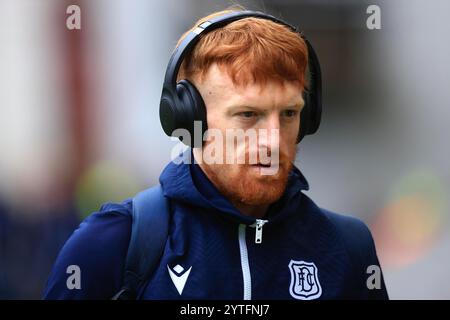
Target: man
(238, 229)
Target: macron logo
(179, 277)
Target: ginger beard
(244, 183)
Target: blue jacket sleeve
(368, 276)
(98, 248)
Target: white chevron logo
(179, 277)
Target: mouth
(261, 165)
(266, 170)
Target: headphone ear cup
(167, 113)
(192, 109)
(315, 92)
(312, 111)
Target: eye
(290, 113)
(247, 114)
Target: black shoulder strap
(149, 231)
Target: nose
(269, 133)
(273, 121)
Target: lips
(265, 165)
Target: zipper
(259, 223)
(246, 276)
(244, 263)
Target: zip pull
(258, 232)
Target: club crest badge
(305, 283)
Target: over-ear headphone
(181, 103)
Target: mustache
(268, 156)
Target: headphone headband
(193, 37)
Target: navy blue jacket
(211, 252)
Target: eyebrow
(234, 108)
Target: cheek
(290, 134)
(288, 142)
(216, 120)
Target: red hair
(251, 50)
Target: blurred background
(79, 124)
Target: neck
(255, 211)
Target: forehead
(217, 85)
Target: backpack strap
(149, 231)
